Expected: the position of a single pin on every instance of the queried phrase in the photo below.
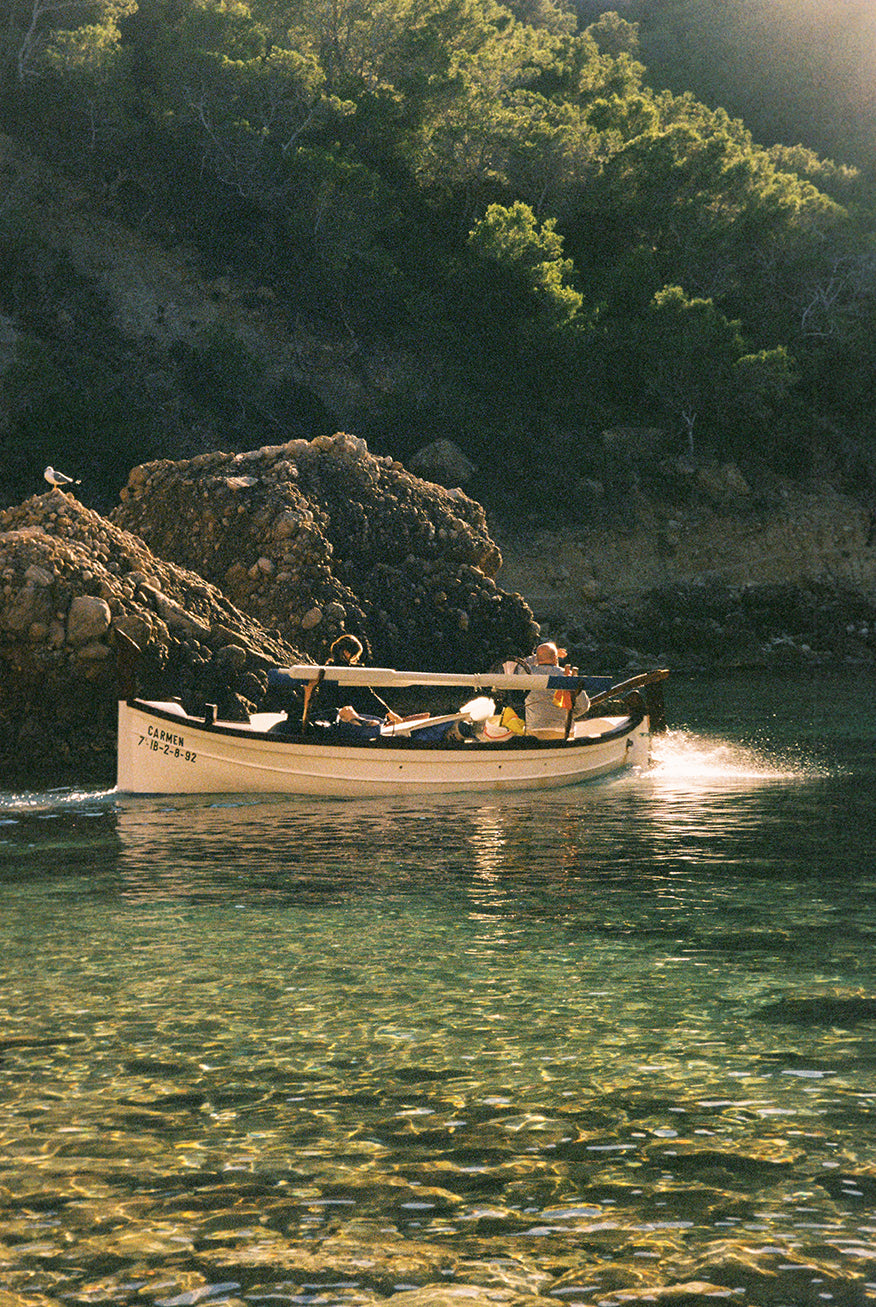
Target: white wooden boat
(162, 749)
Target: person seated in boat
(546, 709)
(348, 711)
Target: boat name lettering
(166, 736)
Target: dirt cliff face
(314, 538)
(726, 576)
(72, 586)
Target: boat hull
(162, 750)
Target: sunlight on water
(685, 760)
(612, 1043)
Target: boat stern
(639, 745)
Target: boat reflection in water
(694, 785)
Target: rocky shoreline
(722, 578)
(222, 566)
(307, 539)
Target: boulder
(88, 619)
(315, 538)
(72, 585)
(444, 462)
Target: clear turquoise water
(613, 1044)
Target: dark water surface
(614, 1044)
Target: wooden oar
(634, 683)
(308, 695)
(476, 710)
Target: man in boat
(549, 713)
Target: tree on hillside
(467, 107)
(513, 320)
(614, 35)
(249, 114)
(694, 364)
(531, 254)
(88, 29)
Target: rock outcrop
(313, 538)
(442, 461)
(71, 586)
(274, 553)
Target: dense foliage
(502, 199)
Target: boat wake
(50, 803)
(685, 760)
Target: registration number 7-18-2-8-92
(172, 746)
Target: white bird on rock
(58, 479)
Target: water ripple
(609, 1044)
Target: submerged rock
(313, 538)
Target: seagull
(58, 479)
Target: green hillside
(517, 226)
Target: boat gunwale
(518, 743)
